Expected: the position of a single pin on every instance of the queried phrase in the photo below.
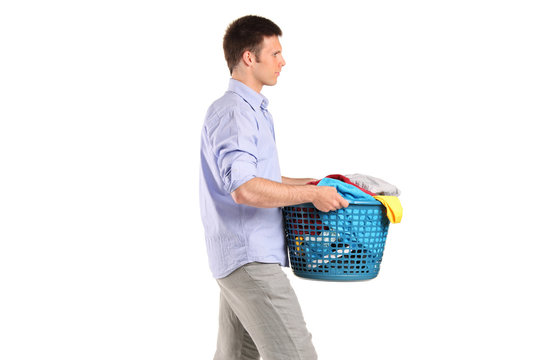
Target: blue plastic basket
(342, 245)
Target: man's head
(252, 42)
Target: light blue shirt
(237, 145)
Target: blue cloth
(237, 145)
(349, 192)
(342, 221)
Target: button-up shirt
(237, 145)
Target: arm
(296, 181)
(234, 143)
(259, 192)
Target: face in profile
(270, 61)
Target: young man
(241, 192)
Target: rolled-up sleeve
(234, 141)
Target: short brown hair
(246, 34)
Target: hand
(328, 199)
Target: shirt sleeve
(234, 141)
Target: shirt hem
(266, 260)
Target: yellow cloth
(394, 211)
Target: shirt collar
(253, 98)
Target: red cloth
(345, 180)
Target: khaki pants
(259, 315)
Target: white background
(101, 102)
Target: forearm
(296, 181)
(263, 193)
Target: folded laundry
(351, 193)
(394, 210)
(373, 184)
(347, 191)
(345, 180)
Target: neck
(249, 81)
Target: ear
(248, 58)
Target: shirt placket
(269, 119)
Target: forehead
(271, 44)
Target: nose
(282, 61)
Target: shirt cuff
(240, 172)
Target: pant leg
(264, 301)
(234, 342)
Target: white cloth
(373, 184)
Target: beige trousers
(259, 315)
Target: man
(241, 192)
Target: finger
(322, 209)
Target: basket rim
(352, 202)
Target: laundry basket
(342, 245)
